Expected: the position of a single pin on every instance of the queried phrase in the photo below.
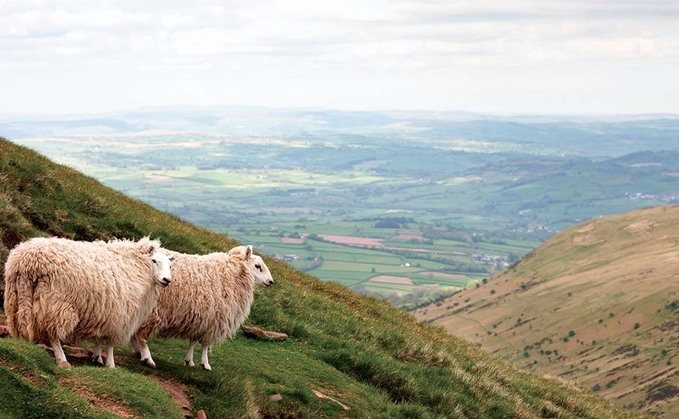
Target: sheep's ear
(248, 252)
(147, 245)
(238, 250)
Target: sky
(497, 56)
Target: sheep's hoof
(189, 363)
(206, 367)
(98, 359)
(148, 363)
(63, 364)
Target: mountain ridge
(596, 303)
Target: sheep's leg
(59, 354)
(136, 344)
(189, 355)
(146, 354)
(110, 362)
(203, 358)
(96, 354)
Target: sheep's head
(161, 267)
(260, 270)
(255, 263)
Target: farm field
(415, 277)
(349, 201)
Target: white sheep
(209, 299)
(63, 290)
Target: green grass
(362, 351)
(32, 387)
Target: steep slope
(374, 359)
(598, 303)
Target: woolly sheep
(209, 299)
(63, 290)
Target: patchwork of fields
(410, 216)
(321, 222)
(408, 272)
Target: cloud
(356, 29)
(160, 44)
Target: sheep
(209, 299)
(63, 290)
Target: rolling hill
(360, 353)
(597, 303)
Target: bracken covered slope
(376, 360)
(598, 303)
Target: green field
(475, 212)
(355, 266)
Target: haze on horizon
(524, 56)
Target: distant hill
(361, 353)
(598, 303)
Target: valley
(394, 209)
(436, 202)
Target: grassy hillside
(369, 356)
(597, 303)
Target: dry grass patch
(567, 308)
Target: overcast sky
(518, 56)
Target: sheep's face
(255, 263)
(161, 268)
(260, 271)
